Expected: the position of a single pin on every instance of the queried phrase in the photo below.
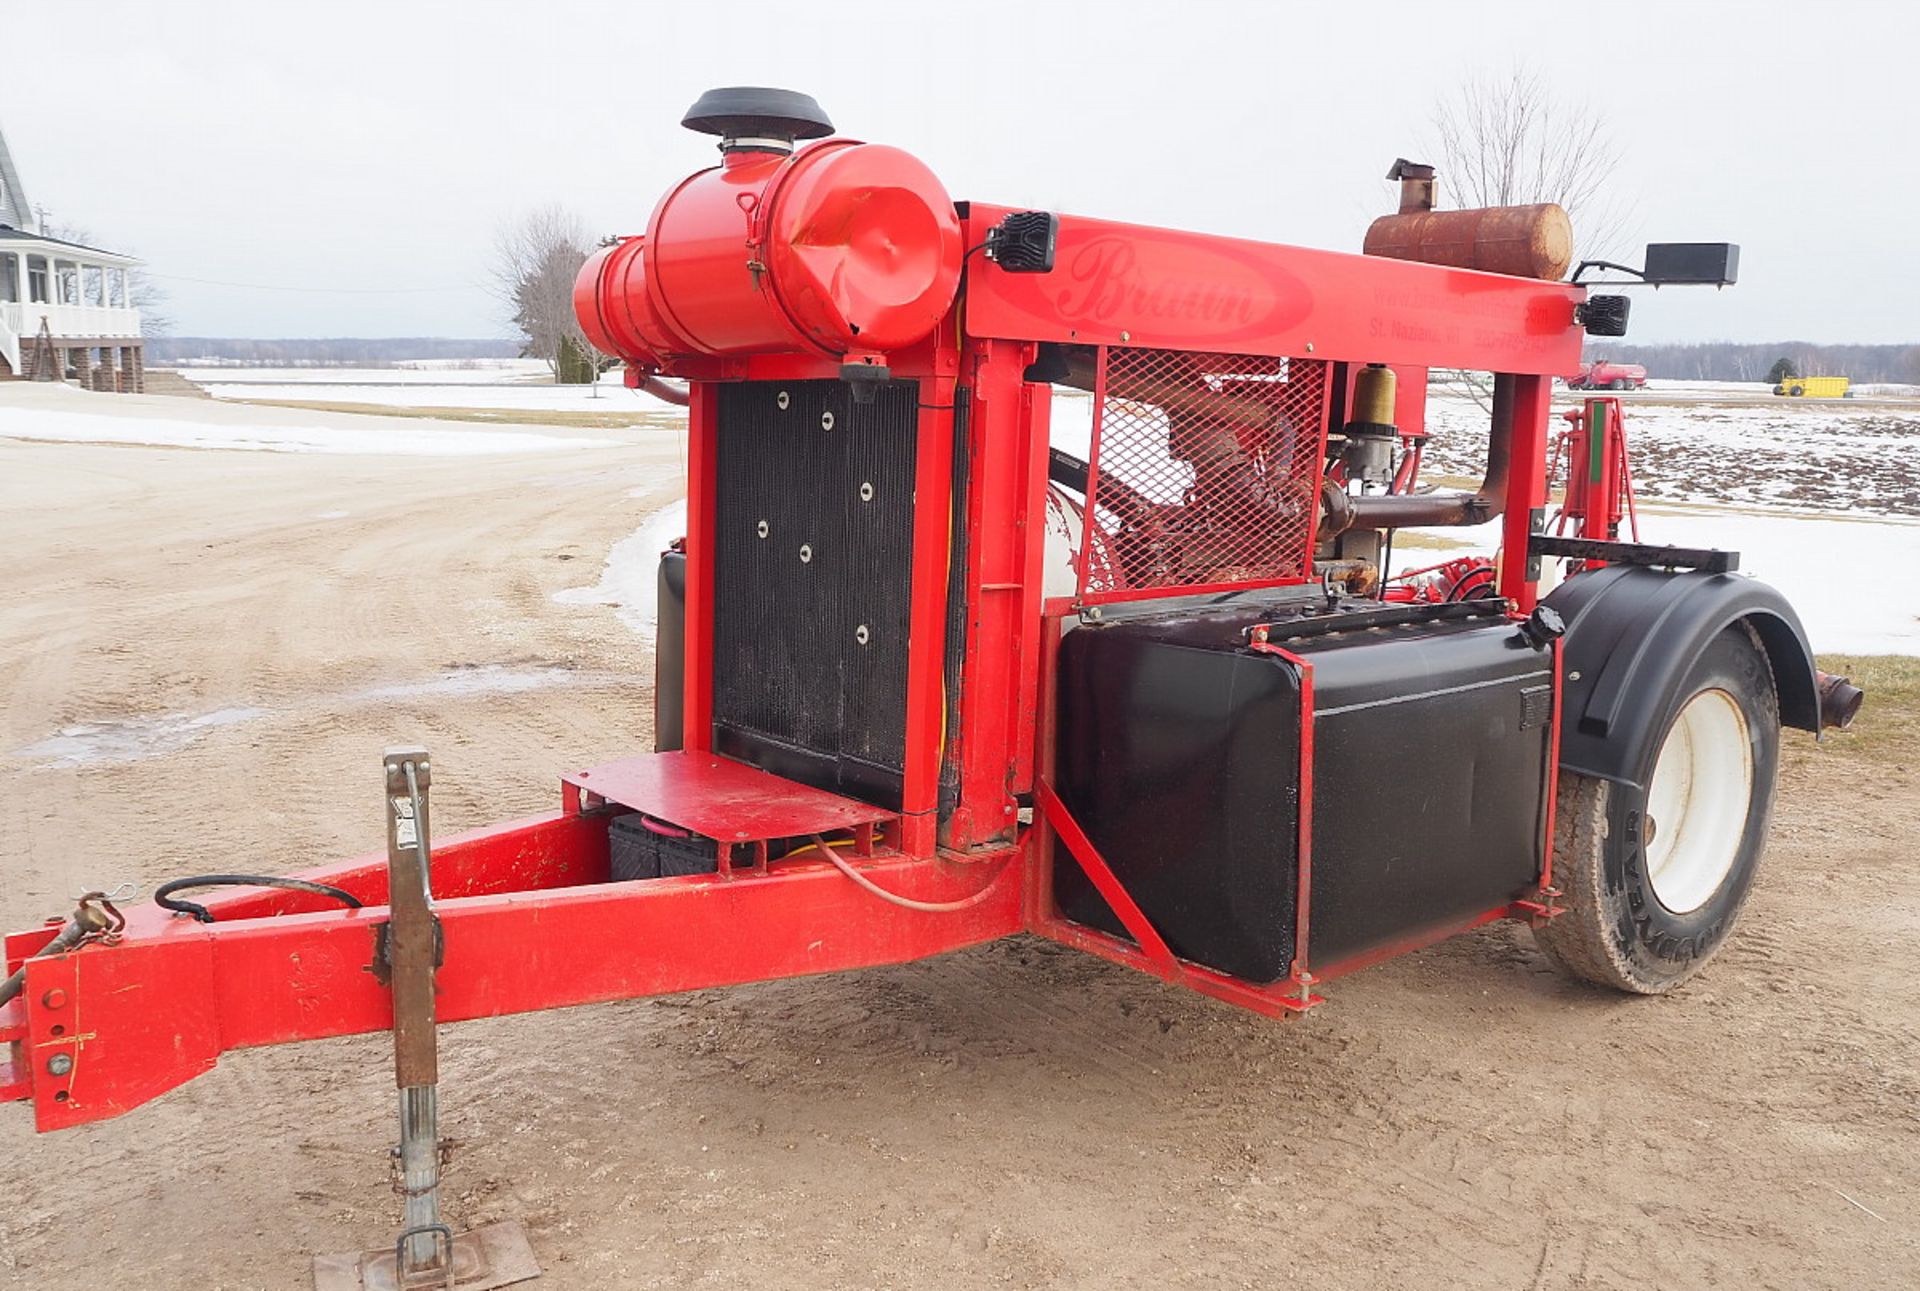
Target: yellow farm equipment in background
(1815, 387)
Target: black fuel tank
(1179, 753)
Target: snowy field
(1822, 500)
(404, 372)
(1834, 456)
(1849, 605)
(64, 414)
(525, 386)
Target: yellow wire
(837, 842)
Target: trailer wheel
(1618, 383)
(1653, 882)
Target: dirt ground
(1015, 1116)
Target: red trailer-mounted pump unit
(1037, 579)
(1603, 374)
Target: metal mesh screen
(1206, 471)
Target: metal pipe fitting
(1840, 700)
(1415, 510)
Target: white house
(65, 310)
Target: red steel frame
(529, 920)
(1599, 492)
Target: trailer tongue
(1037, 579)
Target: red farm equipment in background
(1602, 374)
(1033, 583)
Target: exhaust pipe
(1410, 510)
(1840, 700)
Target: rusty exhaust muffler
(1532, 241)
(1840, 700)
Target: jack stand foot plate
(495, 1256)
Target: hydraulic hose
(659, 389)
(163, 895)
(894, 898)
(66, 939)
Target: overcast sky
(378, 147)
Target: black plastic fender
(1632, 634)
(670, 653)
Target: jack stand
(408, 951)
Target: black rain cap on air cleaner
(751, 116)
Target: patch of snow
(607, 397)
(428, 371)
(1850, 580)
(630, 581)
(487, 679)
(131, 739)
(1071, 426)
(1845, 577)
(513, 385)
(105, 423)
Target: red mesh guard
(1206, 471)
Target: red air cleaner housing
(840, 248)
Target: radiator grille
(1207, 472)
(810, 620)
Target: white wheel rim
(1697, 805)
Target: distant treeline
(323, 352)
(1738, 361)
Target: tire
(1649, 900)
(1618, 383)
(1797, 390)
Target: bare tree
(1507, 140)
(536, 259)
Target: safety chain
(94, 918)
(397, 1179)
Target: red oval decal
(1202, 289)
